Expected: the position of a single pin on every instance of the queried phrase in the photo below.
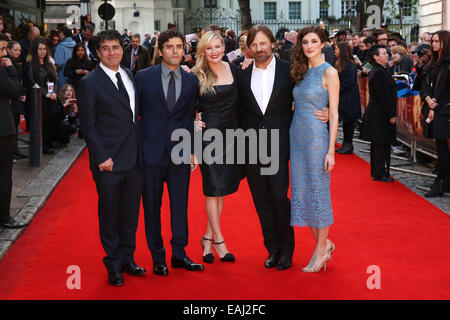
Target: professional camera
(421, 49)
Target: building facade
(434, 15)
(17, 12)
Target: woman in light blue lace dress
(312, 143)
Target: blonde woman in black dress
(217, 106)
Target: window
(270, 10)
(231, 5)
(295, 10)
(158, 25)
(323, 13)
(407, 8)
(210, 3)
(344, 7)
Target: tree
(246, 17)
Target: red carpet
(376, 223)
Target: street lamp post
(400, 5)
(210, 11)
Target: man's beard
(262, 57)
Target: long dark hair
(75, 58)
(438, 57)
(345, 55)
(299, 60)
(48, 66)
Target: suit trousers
(443, 163)
(380, 160)
(177, 178)
(348, 129)
(119, 198)
(7, 149)
(273, 206)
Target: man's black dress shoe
(115, 278)
(187, 264)
(133, 269)
(271, 261)
(284, 263)
(19, 155)
(48, 151)
(383, 179)
(12, 224)
(160, 269)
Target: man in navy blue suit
(109, 112)
(167, 96)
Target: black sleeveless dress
(219, 111)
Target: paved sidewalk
(32, 186)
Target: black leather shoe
(160, 269)
(347, 148)
(48, 151)
(284, 263)
(437, 189)
(383, 179)
(12, 224)
(19, 155)
(271, 261)
(133, 269)
(115, 278)
(187, 264)
(208, 258)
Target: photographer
(422, 54)
(85, 37)
(436, 108)
(190, 51)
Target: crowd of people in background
(58, 60)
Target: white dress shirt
(262, 84)
(126, 81)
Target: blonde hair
(400, 50)
(243, 38)
(205, 76)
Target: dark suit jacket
(286, 54)
(349, 99)
(9, 89)
(382, 107)
(287, 45)
(106, 121)
(279, 112)
(157, 123)
(143, 58)
(91, 46)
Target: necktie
(133, 60)
(171, 95)
(121, 86)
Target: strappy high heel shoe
(316, 264)
(330, 246)
(209, 258)
(228, 257)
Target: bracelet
(330, 154)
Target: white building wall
(433, 16)
(149, 11)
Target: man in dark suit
(167, 96)
(379, 119)
(85, 37)
(136, 57)
(109, 112)
(286, 48)
(265, 91)
(9, 89)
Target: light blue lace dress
(309, 141)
